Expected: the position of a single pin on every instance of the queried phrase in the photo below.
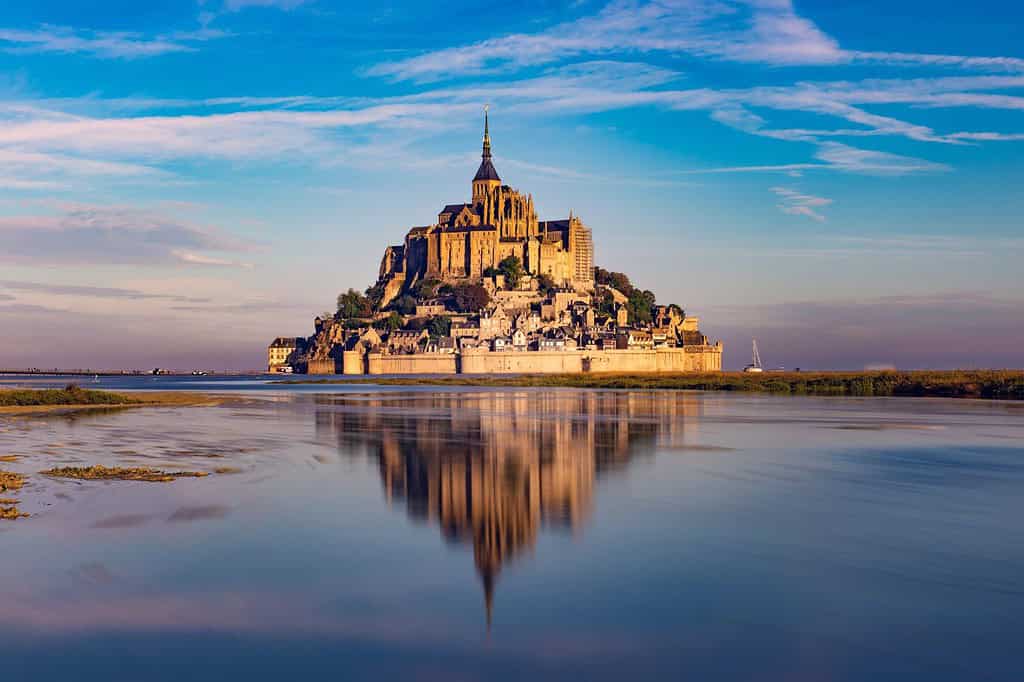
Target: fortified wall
(470, 361)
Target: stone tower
(621, 316)
(486, 178)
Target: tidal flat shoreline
(983, 384)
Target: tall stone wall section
(376, 363)
(353, 362)
(322, 366)
(531, 362)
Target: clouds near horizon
(91, 235)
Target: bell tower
(486, 178)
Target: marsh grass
(988, 384)
(9, 507)
(72, 394)
(101, 473)
(12, 513)
(73, 397)
(10, 481)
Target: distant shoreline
(983, 384)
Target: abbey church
(470, 238)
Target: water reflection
(492, 469)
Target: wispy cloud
(57, 143)
(898, 245)
(112, 235)
(236, 5)
(834, 156)
(778, 168)
(238, 135)
(769, 32)
(104, 44)
(851, 159)
(752, 31)
(93, 292)
(794, 202)
(312, 128)
(193, 258)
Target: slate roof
(557, 225)
(486, 171)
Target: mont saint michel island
(489, 288)
(311, 371)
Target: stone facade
(282, 352)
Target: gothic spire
(486, 170)
(487, 134)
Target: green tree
(512, 268)
(426, 288)
(374, 295)
(491, 271)
(640, 306)
(405, 305)
(416, 324)
(606, 306)
(438, 326)
(545, 284)
(470, 298)
(616, 280)
(389, 323)
(353, 304)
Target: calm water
(386, 533)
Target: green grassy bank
(991, 384)
(75, 397)
(71, 395)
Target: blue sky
(182, 181)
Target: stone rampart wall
(324, 366)
(697, 359)
(528, 362)
(688, 359)
(412, 364)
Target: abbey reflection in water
(491, 468)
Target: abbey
(490, 289)
(471, 238)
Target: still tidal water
(371, 533)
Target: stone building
(282, 352)
(469, 238)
